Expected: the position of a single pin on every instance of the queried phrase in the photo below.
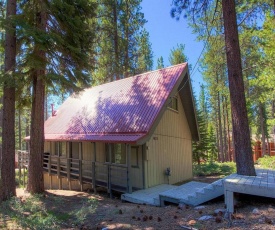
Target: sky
(166, 32)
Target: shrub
(214, 168)
(267, 162)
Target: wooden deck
(261, 185)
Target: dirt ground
(114, 214)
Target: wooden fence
(257, 150)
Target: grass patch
(28, 214)
(214, 168)
(44, 212)
(267, 162)
(19, 183)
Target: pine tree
(200, 148)
(177, 55)
(123, 47)
(160, 63)
(55, 36)
(144, 56)
(7, 158)
(242, 143)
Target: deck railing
(113, 177)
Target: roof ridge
(127, 78)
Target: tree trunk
(273, 116)
(230, 152)
(220, 130)
(261, 112)
(126, 64)
(19, 130)
(226, 153)
(7, 183)
(242, 142)
(35, 173)
(117, 77)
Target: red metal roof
(119, 111)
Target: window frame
(174, 104)
(111, 147)
(137, 158)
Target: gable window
(116, 153)
(174, 104)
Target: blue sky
(166, 32)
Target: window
(173, 104)
(134, 157)
(60, 148)
(74, 147)
(117, 152)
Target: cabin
(125, 135)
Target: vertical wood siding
(169, 146)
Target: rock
(271, 209)
(220, 210)
(205, 218)
(256, 211)
(261, 220)
(105, 228)
(218, 219)
(267, 220)
(199, 207)
(192, 222)
(181, 206)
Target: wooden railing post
(19, 165)
(50, 164)
(80, 174)
(93, 176)
(129, 167)
(58, 173)
(109, 178)
(68, 167)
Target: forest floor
(63, 209)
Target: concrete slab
(181, 192)
(147, 196)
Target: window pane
(75, 150)
(119, 154)
(134, 156)
(56, 145)
(107, 159)
(62, 149)
(174, 103)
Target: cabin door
(136, 167)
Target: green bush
(267, 162)
(214, 168)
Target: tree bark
(226, 153)
(273, 116)
(241, 133)
(221, 147)
(262, 124)
(231, 153)
(35, 172)
(117, 77)
(7, 183)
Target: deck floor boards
(263, 184)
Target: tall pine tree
(56, 42)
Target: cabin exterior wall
(169, 146)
